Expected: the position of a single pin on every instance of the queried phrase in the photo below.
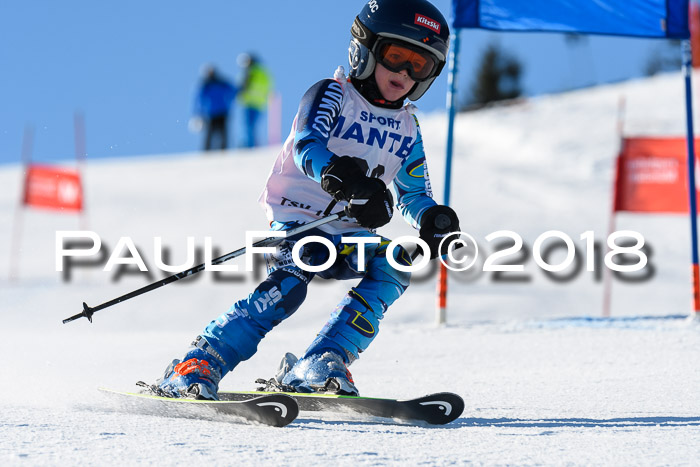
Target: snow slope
(546, 379)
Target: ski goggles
(419, 64)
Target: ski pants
(217, 131)
(252, 115)
(352, 325)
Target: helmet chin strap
(370, 90)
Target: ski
(435, 409)
(269, 409)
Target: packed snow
(547, 379)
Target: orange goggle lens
(395, 57)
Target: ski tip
(441, 408)
(283, 409)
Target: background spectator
(212, 108)
(256, 85)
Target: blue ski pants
(352, 325)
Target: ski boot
(197, 376)
(316, 373)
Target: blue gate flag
(640, 18)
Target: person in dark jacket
(213, 107)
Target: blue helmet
(416, 24)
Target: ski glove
(436, 223)
(369, 201)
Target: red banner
(53, 188)
(652, 176)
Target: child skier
(349, 140)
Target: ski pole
(269, 241)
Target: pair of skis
(280, 409)
(277, 409)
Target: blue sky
(131, 67)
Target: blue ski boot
(197, 376)
(324, 373)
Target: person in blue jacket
(213, 107)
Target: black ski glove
(436, 223)
(369, 201)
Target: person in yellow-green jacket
(255, 88)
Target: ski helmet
(414, 24)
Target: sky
(131, 68)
